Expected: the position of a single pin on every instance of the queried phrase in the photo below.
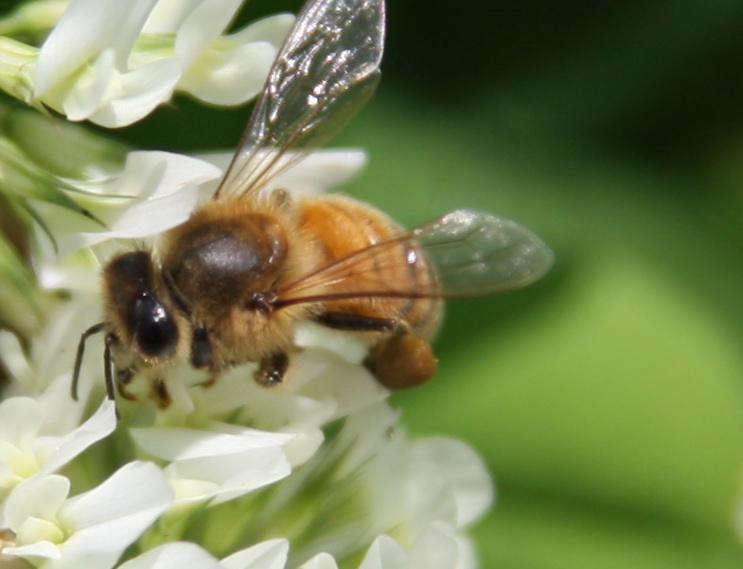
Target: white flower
(437, 547)
(218, 464)
(374, 481)
(90, 530)
(154, 192)
(219, 69)
(30, 445)
(411, 484)
(113, 62)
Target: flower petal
(222, 466)
(182, 444)
(271, 554)
(168, 16)
(232, 475)
(207, 21)
(272, 29)
(385, 553)
(325, 376)
(323, 170)
(38, 550)
(14, 359)
(229, 76)
(175, 555)
(99, 425)
(91, 88)
(167, 188)
(39, 497)
(139, 92)
(86, 28)
(436, 548)
(464, 473)
(20, 421)
(136, 492)
(320, 561)
(365, 435)
(107, 519)
(315, 173)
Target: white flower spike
(113, 62)
(210, 469)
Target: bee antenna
(95, 329)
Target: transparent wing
(470, 253)
(477, 253)
(325, 71)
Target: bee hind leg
(402, 361)
(356, 322)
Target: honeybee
(231, 284)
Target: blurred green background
(607, 400)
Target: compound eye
(156, 333)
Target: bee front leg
(272, 369)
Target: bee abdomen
(343, 227)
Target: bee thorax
(217, 264)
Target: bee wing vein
(325, 71)
(470, 253)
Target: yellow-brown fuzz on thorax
(228, 251)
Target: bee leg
(207, 383)
(402, 361)
(123, 377)
(272, 369)
(160, 394)
(201, 348)
(356, 322)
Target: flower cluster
(113, 62)
(314, 473)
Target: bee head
(136, 306)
